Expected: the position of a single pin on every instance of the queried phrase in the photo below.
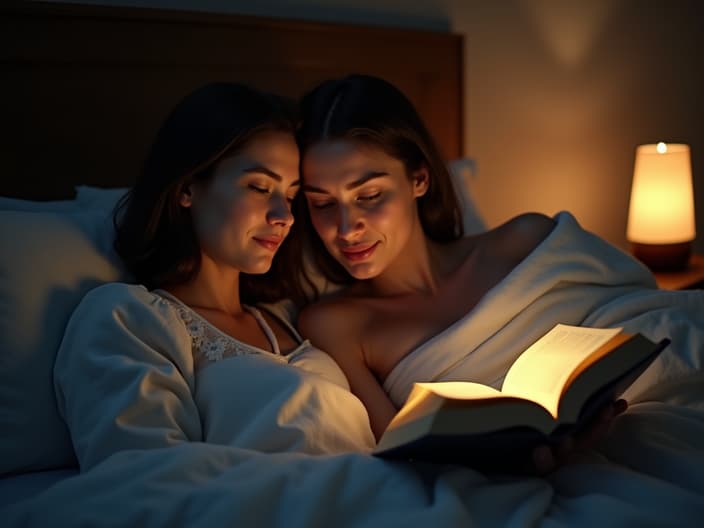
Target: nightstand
(692, 277)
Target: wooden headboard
(84, 88)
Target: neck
(417, 270)
(215, 287)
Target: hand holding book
(547, 458)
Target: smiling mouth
(359, 253)
(270, 243)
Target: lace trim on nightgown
(210, 344)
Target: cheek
(219, 215)
(391, 216)
(221, 212)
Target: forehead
(346, 158)
(271, 144)
(274, 150)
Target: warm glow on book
(542, 371)
(540, 374)
(556, 385)
(461, 390)
(418, 400)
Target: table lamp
(661, 213)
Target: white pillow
(102, 198)
(50, 260)
(462, 171)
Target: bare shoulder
(331, 322)
(530, 226)
(522, 234)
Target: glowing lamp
(661, 213)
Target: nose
(349, 224)
(280, 212)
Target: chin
(258, 268)
(362, 272)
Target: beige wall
(558, 92)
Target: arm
(334, 328)
(124, 375)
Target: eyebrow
(352, 185)
(260, 169)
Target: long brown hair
(373, 111)
(154, 233)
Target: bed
(84, 89)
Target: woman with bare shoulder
(384, 221)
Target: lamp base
(663, 257)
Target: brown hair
(154, 233)
(373, 111)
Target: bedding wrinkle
(274, 407)
(146, 384)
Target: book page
(459, 410)
(419, 404)
(540, 373)
(461, 390)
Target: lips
(271, 242)
(359, 252)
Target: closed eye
(261, 190)
(369, 197)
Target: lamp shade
(662, 199)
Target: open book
(553, 388)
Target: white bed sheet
(16, 488)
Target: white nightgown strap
(268, 332)
(284, 322)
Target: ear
(185, 198)
(421, 181)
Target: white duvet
(649, 471)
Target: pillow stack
(53, 254)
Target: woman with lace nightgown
(204, 233)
